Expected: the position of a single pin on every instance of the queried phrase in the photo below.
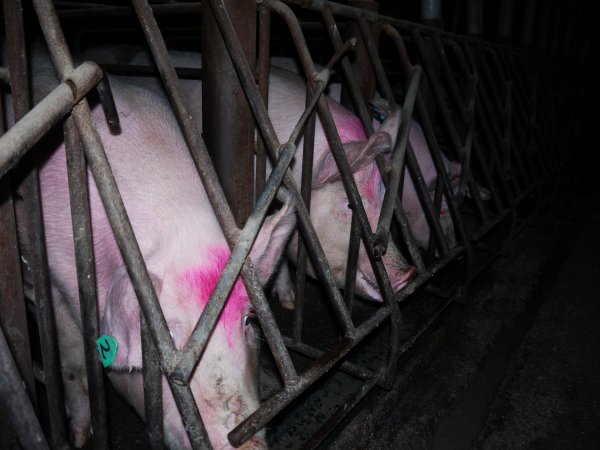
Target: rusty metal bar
(24, 134)
(362, 112)
(12, 302)
(199, 338)
(16, 403)
(268, 133)
(117, 11)
(228, 123)
(317, 439)
(109, 193)
(34, 232)
(152, 374)
(213, 189)
(396, 164)
(86, 280)
(305, 191)
(262, 67)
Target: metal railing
(485, 113)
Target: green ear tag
(107, 348)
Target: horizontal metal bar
(37, 122)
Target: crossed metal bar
(478, 108)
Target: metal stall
(472, 161)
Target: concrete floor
(521, 368)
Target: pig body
(330, 213)
(185, 252)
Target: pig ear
(121, 320)
(358, 153)
(391, 125)
(272, 239)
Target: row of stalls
(500, 112)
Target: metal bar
(12, 302)
(305, 191)
(228, 125)
(117, 11)
(360, 64)
(309, 351)
(215, 193)
(190, 416)
(475, 17)
(198, 340)
(346, 174)
(352, 263)
(152, 374)
(262, 64)
(378, 70)
(86, 280)
(15, 44)
(268, 133)
(108, 105)
(281, 399)
(107, 187)
(24, 134)
(396, 164)
(20, 412)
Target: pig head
(329, 208)
(185, 252)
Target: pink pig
(185, 252)
(330, 214)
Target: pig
(185, 251)
(330, 213)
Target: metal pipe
(34, 231)
(306, 192)
(86, 280)
(12, 306)
(228, 123)
(153, 406)
(37, 122)
(215, 193)
(396, 164)
(505, 20)
(475, 17)
(528, 23)
(107, 187)
(431, 13)
(268, 133)
(360, 64)
(20, 412)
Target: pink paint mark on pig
(201, 280)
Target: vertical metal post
(431, 13)
(528, 24)
(505, 20)
(15, 45)
(475, 17)
(361, 63)
(228, 123)
(12, 302)
(86, 279)
(14, 397)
